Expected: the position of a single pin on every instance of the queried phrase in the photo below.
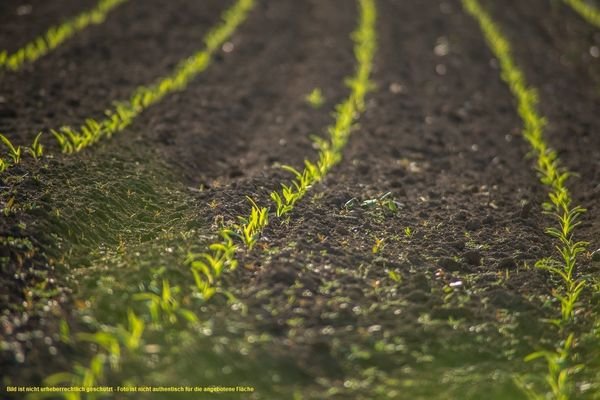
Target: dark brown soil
(322, 316)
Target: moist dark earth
(449, 303)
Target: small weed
(315, 98)
(385, 202)
(378, 246)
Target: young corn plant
(378, 246)
(251, 227)
(13, 152)
(559, 371)
(559, 206)
(111, 343)
(208, 267)
(124, 112)
(56, 35)
(36, 150)
(166, 307)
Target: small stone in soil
(525, 210)
(473, 225)
(473, 257)
(507, 262)
(449, 264)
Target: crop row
(206, 268)
(553, 176)
(56, 35)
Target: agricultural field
(311, 199)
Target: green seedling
(378, 246)
(395, 276)
(56, 35)
(110, 344)
(315, 98)
(14, 152)
(36, 150)
(559, 370)
(408, 232)
(65, 332)
(251, 227)
(385, 202)
(166, 307)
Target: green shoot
(14, 152)
(559, 370)
(111, 343)
(315, 98)
(36, 150)
(251, 227)
(378, 246)
(395, 276)
(386, 202)
(165, 307)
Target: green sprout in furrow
(56, 35)
(587, 11)
(166, 308)
(124, 112)
(559, 205)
